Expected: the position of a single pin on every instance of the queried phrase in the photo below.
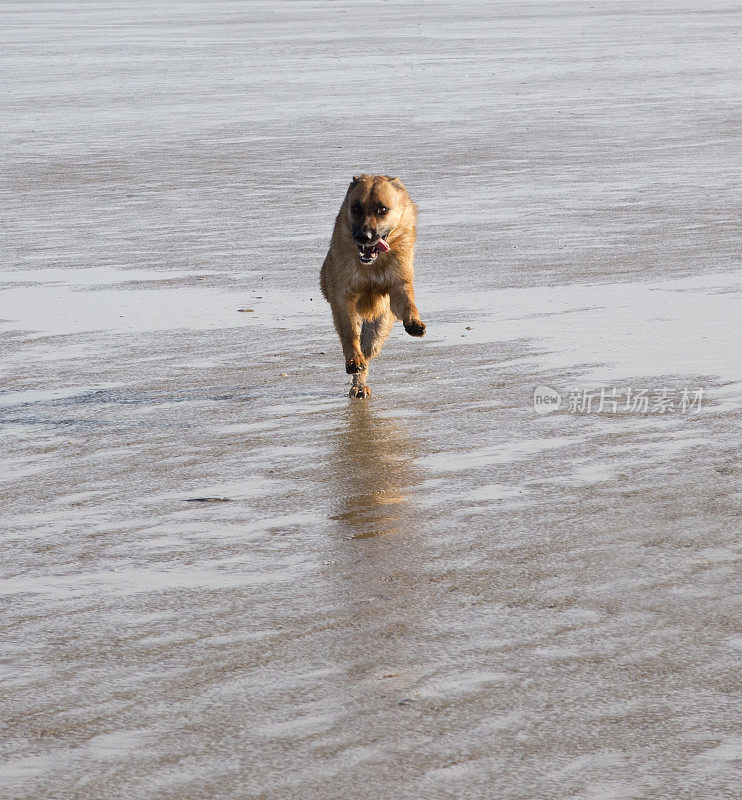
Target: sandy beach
(222, 578)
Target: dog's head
(376, 204)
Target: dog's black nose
(365, 236)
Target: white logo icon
(546, 400)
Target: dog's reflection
(372, 472)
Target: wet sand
(222, 578)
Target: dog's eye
(356, 208)
(381, 210)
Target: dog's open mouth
(369, 253)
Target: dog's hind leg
(358, 388)
(375, 332)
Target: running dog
(367, 273)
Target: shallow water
(223, 579)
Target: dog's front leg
(348, 325)
(402, 301)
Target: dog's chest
(377, 279)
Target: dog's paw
(359, 392)
(355, 365)
(415, 327)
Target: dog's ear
(395, 182)
(353, 182)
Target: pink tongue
(382, 246)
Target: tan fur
(367, 298)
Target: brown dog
(367, 274)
